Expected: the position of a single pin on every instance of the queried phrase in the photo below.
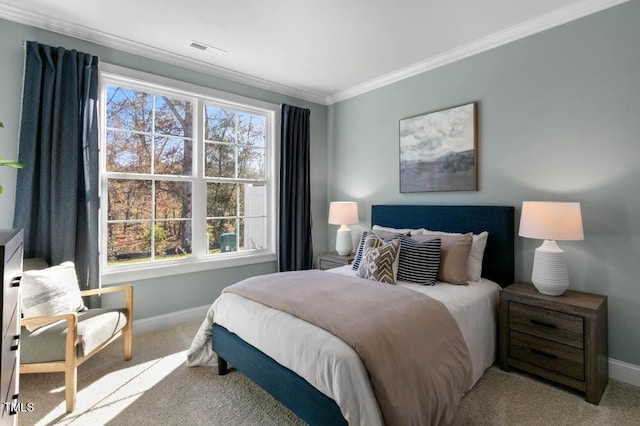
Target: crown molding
(516, 32)
(508, 35)
(66, 28)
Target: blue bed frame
(296, 393)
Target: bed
(241, 337)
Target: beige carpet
(156, 388)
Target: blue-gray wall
(172, 293)
(559, 119)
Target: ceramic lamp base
(550, 275)
(343, 241)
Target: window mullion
(237, 176)
(199, 199)
(152, 230)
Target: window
(187, 176)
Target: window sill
(123, 274)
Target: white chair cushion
(47, 343)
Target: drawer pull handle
(17, 339)
(544, 324)
(15, 282)
(544, 354)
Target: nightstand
(560, 338)
(333, 260)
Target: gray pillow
(385, 235)
(379, 260)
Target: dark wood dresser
(561, 338)
(10, 271)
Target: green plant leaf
(10, 163)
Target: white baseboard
(160, 322)
(624, 372)
(618, 370)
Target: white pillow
(51, 291)
(474, 262)
(405, 231)
(476, 254)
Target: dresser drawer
(548, 324)
(10, 311)
(10, 347)
(548, 355)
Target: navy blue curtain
(295, 251)
(57, 190)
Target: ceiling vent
(206, 48)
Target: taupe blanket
(410, 344)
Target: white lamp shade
(549, 220)
(343, 212)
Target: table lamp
(343, 213)
(551, 221)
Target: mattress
(333, 367)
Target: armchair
(62, 342)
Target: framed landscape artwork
(438, 150)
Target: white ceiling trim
(516, 32)
(544, 22)
(12, 13)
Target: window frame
(200, 259)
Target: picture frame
(438, 150)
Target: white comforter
(329, 364)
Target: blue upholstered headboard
(498, 261)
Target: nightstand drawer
(548, 324)
(328, 264)
(548, 355)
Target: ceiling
(319, 50)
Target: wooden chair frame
(69, 366)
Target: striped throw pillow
(419, 260)
(358, 258)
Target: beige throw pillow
(476, 254)
(454, 256)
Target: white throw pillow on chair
(51, 291)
